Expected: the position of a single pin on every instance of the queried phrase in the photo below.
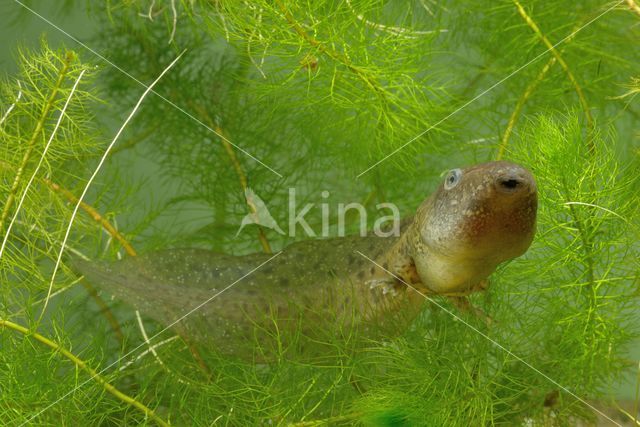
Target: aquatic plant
(369, 100)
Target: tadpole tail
(110, 278)
(139, 283)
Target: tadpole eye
(452, 179)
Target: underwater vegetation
(172, 124)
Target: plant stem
(93, 213)
(266, 247)
(32, 141)
(242, 177)
(524, 98)
(587, 244)
(583, 100)
(104, 308)
(106, 311)
(336, 56)
(520, 104)
(131, 252)
(82, 365)
(326, 421)
(634, 6)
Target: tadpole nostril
(510, 183)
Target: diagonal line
(494, 342)
(182, 110)
(6, 113)
(498, 83)
(181, 318)
(42, 157)
(93, 176)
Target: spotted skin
(478, 218)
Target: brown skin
(478, 218)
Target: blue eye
(452, 179)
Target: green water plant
(368, 101)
